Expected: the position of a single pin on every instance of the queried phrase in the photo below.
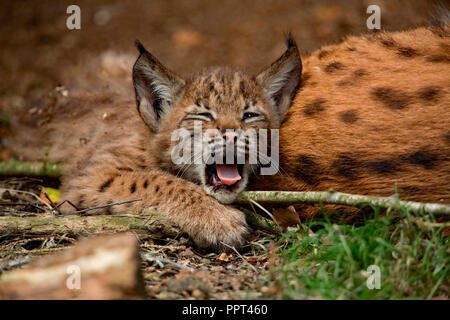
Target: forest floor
(322, 258)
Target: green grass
(331, 263)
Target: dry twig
(334, 197)
(240, 256)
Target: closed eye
(205, 116)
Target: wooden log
(105, 267)
(147, 222)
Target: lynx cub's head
(228, 107)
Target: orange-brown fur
(371, 112)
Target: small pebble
(198, 294)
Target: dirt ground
(175, 269)
(37, 48)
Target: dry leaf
(52, 193)
(224, 257)
(286, 217)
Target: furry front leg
(208, 223)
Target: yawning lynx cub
(368, 113)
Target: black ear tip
(290, 41)
(140, 47)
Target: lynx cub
(361, 116)
(114, 151)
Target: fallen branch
(20, 168)
(148, 222)
(99, 207)
(240, 256)
(160, 262)
(14, 167)
(27, 193)
(334, 197)
(258, 221)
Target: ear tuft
(290, 41)
(282, 79)
(140, 47)
(157, 88)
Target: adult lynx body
(372, 113)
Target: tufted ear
(282, 79)
(157, 88)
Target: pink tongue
(228, 173)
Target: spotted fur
(384, 124)
(368, 114)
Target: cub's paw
(220, 228)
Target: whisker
(190, 164)
(282, 171)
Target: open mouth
(224, 176)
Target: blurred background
(36, 46)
